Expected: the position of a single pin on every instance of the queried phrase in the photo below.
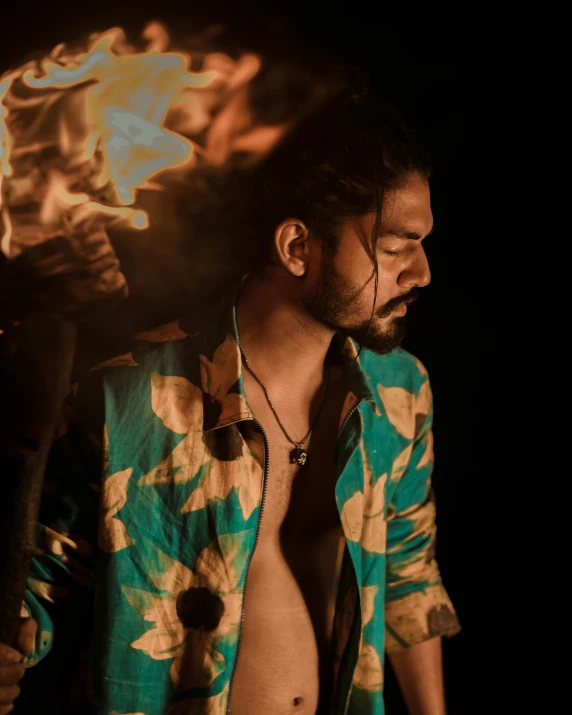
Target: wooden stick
(35, 369)
(45, 291)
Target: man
(265, 524)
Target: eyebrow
(406, 235)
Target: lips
(401, 307)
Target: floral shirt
(154, 493)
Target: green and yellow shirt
(153, 497)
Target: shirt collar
(222, 374)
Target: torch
(84, 132)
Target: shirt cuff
(419, 616)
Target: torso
(284, 662)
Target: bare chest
(299, 501)
(285, 660)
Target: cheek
(388, 274)
(355, 267)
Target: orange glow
(82, 132)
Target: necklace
(298, 455)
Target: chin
(383, 337)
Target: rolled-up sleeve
(417, 606)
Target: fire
(81, 132)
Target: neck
(279, 337)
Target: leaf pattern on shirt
(374, 523)
(113, 534)
(214, 478)
(399, 406)
(241, 474)
(185, 405)
(422, 530)
(400, 463)
(424, 402)
(369, 670)
(218, 376)
(196, 659)
(368, 675)
(363, 515)
(421, 369)
(427, 456)
(409, 618)
(352, 516)
(177, 403)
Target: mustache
(407, 298)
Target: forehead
(409, 207)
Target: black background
(474, 82)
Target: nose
(417, 273)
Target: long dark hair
(339, 163)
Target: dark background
(474, 82)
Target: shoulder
(122, 382)
(398, 368)
(150, 345)
(400, 386)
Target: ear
(291, 245)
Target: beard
(336, 303)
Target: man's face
(341, 288)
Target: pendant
(298, 456)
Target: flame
(5, 144)
(58, 200)
(82, 132)
(126, 106)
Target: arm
(418, 609)
(418, 670)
